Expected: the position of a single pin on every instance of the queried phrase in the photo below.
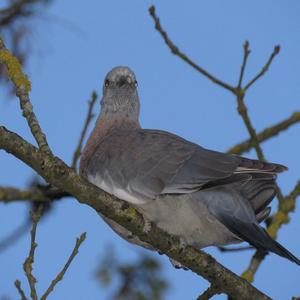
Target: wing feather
(148, 163)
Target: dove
(204, 197)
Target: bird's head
(120, 93)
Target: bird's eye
(106, 83)
(136, 83)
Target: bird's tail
(258, 237)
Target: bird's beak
(122, 81)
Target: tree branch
(37, 194)
(61, 274)
(27, 266)
(235, 249)
(23, 87)
(16, 9)
(243, 111)
(175, 50)
(264, 69)
(56, 172)
(15, 235)
(245, 58)
(266, 134)
(209, 293)
(20, 290)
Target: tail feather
(258, 237)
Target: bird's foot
(182, 245)
(175, 263)
(147, 225)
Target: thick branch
(56, 172)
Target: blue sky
(75, 45)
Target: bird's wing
(139, 165)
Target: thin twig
(175, 50)
(242, 110)
(235, 249)
(61, 274)
(15, 10)
(36, 194)
(209, 293)
(245, 58)
(15, 235)
(264, 68)
(23, 87)
(27, 266)
(295, 193)
(20, 290)
(266, 134)
(87, 121)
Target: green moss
(248, 275)
(14, 71)
(131, 213)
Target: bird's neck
(103, 127)
(106, 123)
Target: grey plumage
(202, 196)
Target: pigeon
(204, 197)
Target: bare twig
(23, 87)
(209, 293)
(15, 235)
(61, 274)
(254, 264)
(27, 266)
(16, 9)
(264, 69)
(88, 119)
(175, 50)
(245, 58)
(266, 134)
(20, 290)
(242, 109)
(36, 194)
(235, 249)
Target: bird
(203, 197)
